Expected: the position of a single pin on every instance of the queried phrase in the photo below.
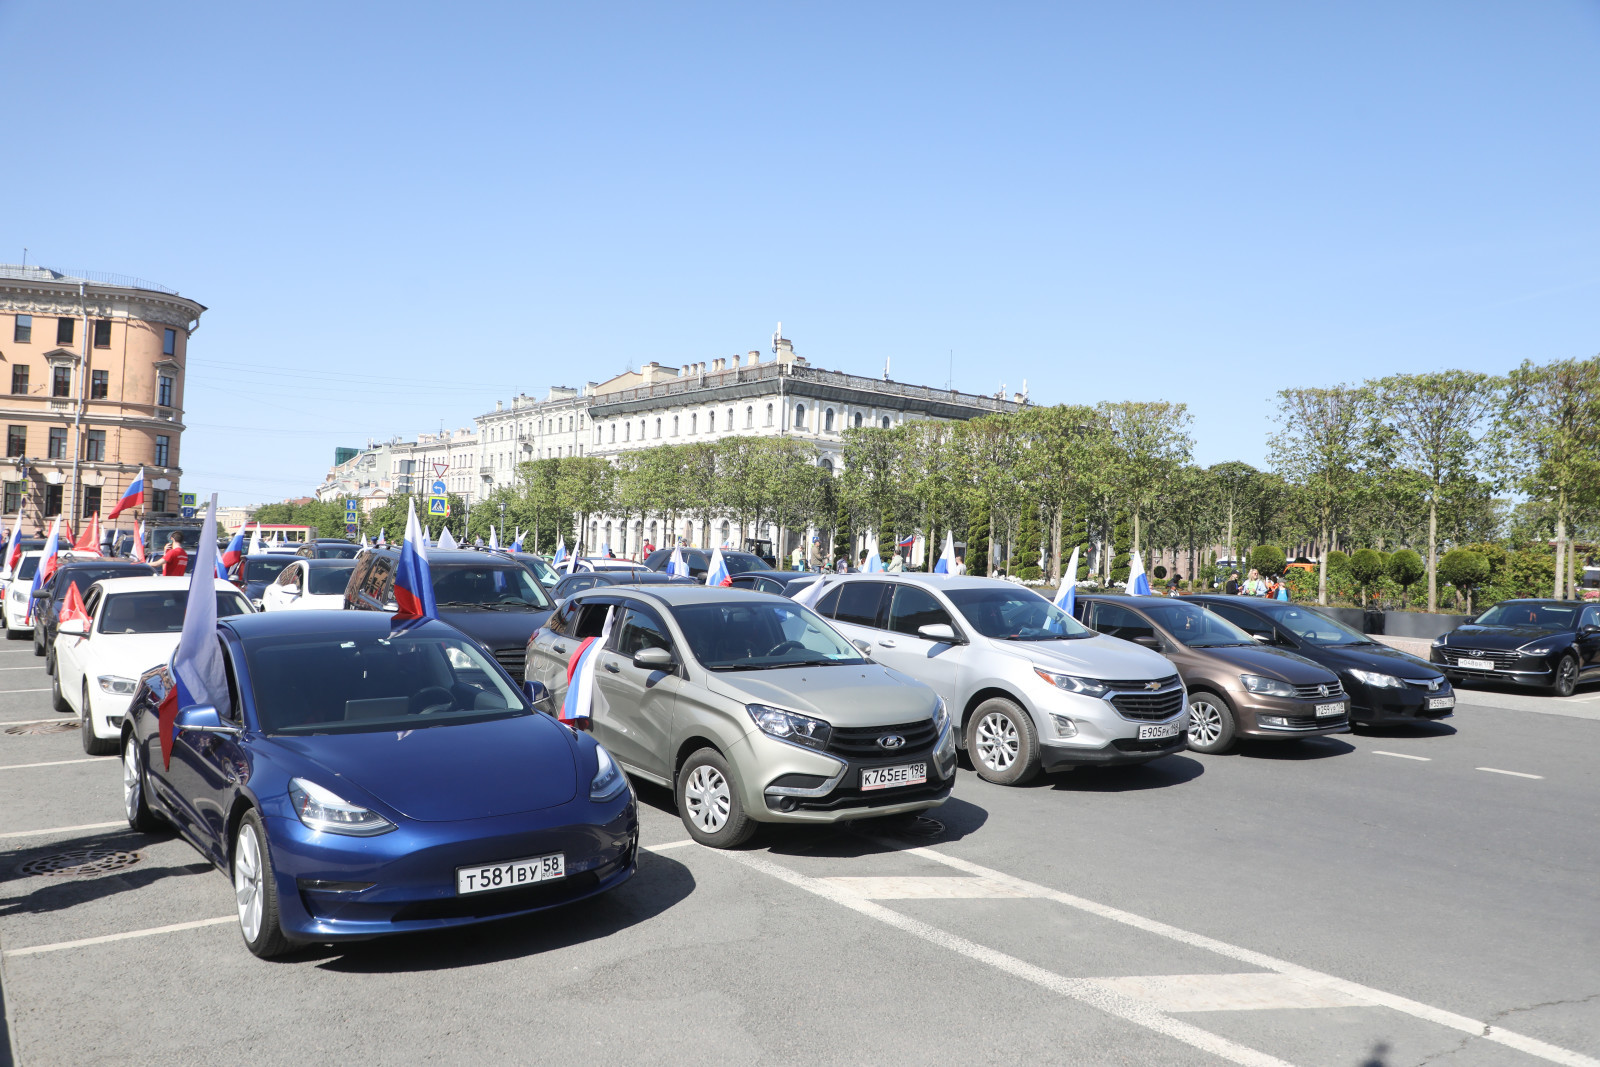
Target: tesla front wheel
(134, 790)
(708, 802)
(1211, 724)
(1002, 743)
(255, 890)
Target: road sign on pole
(440, 469)
(350, 528)
(439, 505)
(186, 500)
(438, 489)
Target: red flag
(90, 541)
(72, 608)
(166, 722)
(138, 543)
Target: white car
(309, 583)
(134, 624)
(18, 610)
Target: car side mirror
(538, 695)
(74, 628)
(654, 659)
(863, 647)
(202, 719)
(938, 631)
(1588, 630)
(1148, 641)
(42, 593)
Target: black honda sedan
(1553, 644)
(1385, 684)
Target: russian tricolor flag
(578, 705)
(198, 675)
(235, 550)
(413, 580)
(13, 546)
(130, 499)
(47, 562)
(717, 569)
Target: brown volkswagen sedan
(1237, 687)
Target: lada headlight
(941, 718)
(790, 726)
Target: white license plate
(1435, 703)
(1148, 733)
(1477, 664)
(511, 875)
(1324, 710)
(889, 777)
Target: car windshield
(265, 568)
(1009, 614)
(487, 587)
(1194, 625)
(1317, 629)
(545, 573)
(739, 562)
(87, 576)
(327, 581)
(159, 611)
(1530, 613)
(325, 683)
(761, 636)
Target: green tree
(1464, 569)
(1151, 440)
(1367, 568)
(1268, 559)
(1406, 569)
(1319, 446)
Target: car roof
(329, 622)
(636, 576)
(324, 564)
(446, 556)
(154, 583)
(69, 564)
(937, 581)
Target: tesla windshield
(761, 636)
(159, 611)
(1015, 615)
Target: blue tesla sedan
(369, 780)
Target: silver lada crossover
(749, 707)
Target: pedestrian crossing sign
(439, 505)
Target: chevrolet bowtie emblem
(1152, 685)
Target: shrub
(1366, 568)
(1406, 569)
(1268, 559)
(1464, 569)
(1302, 584)
(1030, 573)
(1158, 571)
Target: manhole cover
(45, 727)
(81, 863)
(920, 826)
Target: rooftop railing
(763, 371)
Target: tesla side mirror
(538, 696)
(938, 631)
(863, 647)
(202, 719)
(1148, 641)
(654, 659)
(74, 627)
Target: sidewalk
(1417, 646)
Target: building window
(19, 380)
(627, 431)
(13, 502)
(658, 427)
(613, 433)
(102, 333)
(58, 442)
(769, 414)
(95, 450)
(641, 429)
(169, 342)
(158, 500)
(858, 420)
(164, 390)
(694, 423)
(826, 464)
(674, 425)
(22, 332)
(91, 500)
(711, 422)
(66, 330)
(162, 448)
(16, 441)
(886, 422)
(99, 384)
(827, 420)
(799, 416)
(730, 419)
(52, 501)
(61, 382)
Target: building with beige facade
(95, 369)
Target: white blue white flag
(874, 562)
(1067, 595)
(947, 558)
(1138, 584)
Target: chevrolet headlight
(1376, 680)
(324, 810)
(1088, 687)
(608, 777)
(790, 726)
(1269, 687)
(110, 683)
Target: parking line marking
(1083, 990)
(1401, 755)
(1256, 991)
(916, 888)
(5, 692)
(1514, 774)
(1405, 1005)
(669, 844)
(55, 763)
(63, 829)
(35, 950)
(28, 722)
(29, 667)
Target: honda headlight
(1376, 680)
(608, 777)
(789, 726)
(1269, 687)
(1088, 687)
(323, 809)
(110, 683)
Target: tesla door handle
(559, 648)
(885, 644)
(611, 665)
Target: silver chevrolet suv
(1029, 687)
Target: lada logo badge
(891, 741)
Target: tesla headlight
(608, 777)
(789, 726)
(1088, 687)
(1269, 687)
(323, 809)
(110, 683)
(1376, 680)
(941, 718)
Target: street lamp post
(501, 536)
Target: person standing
(174, 561)
(797, 558)
(1253, 585)
(648, 549)
(1232, 588)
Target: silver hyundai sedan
(1030, 687)
(750, 708)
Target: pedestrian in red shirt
(174, 561)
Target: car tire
(38, 641)
(16, 635)
(92, 745)
(58, 699)
(50, 660)
(136, 790)
(1566, 682)
(708, 801)
(1002, 742)
(1212, 725)
(255, 889)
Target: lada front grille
(861, 742)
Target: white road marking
(29, 667)
(1401, 755)
(1230, 992)
(905, 888)
(1514, 774)
(1083, 990)
(85, 942)
(6, 692)
(1450, 1019)
(668, 845)
(29, 722)
(64, 829)
(55, 763)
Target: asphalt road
(1356, 900)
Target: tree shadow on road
(1419, 728)
(57, 893)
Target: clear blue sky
(400, 213)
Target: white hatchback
(309, 583)
(134, 624)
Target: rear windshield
(159, 611)
(86, 577)
(1556, 616)
(487, 586)
(541, 570)
(761, 635)
(265, 568)
(326, 581)
(26, 566)
(319, 684)
(188, 536)
(334, 551)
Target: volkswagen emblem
(1322, 690)
(1152, 685)
(891, 741)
